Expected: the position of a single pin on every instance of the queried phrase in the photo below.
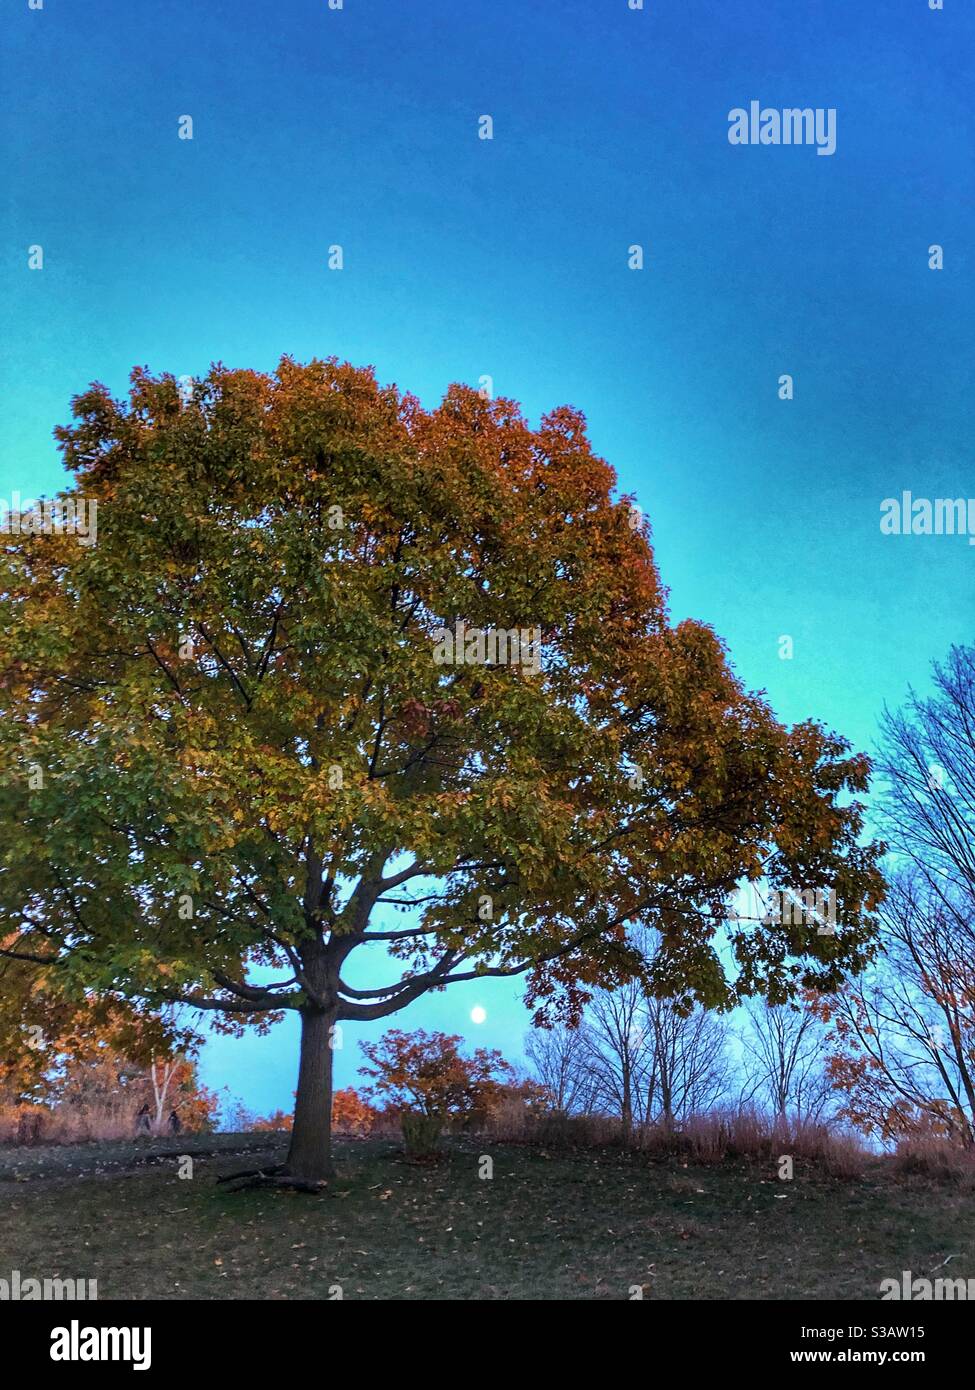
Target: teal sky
(465, 257)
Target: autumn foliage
(351, 1113)
(427, 1072)
(99, 1095)
(274, 761)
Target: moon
(478, 1014)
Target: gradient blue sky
(466, 257)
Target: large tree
(232, 741)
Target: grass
(547, 1225)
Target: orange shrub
(351, 1114)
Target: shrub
(421, 1133)
(426, 1072)
(556, 1129)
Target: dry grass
(94, 1121)
(936, 1160)
(705, 1139)
(748, 1134)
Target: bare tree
(689, 1063)
(785, 1061)
(618, 1049)
(652, 1058)
(928, 762)
(913, 1019)
(558, 1058)
(905, 1036)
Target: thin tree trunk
(310, 1155)
(666, 1102)
(160, 1090)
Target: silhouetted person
(143, 1124)
(29, 1125)
(174, 1124)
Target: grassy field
(547, 1225)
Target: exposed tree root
(266, 1170)
(276, 1176)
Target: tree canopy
(231, 740)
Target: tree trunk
(160, 1090)
(310, 1155)
(667, 1101)
(627, 1108)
